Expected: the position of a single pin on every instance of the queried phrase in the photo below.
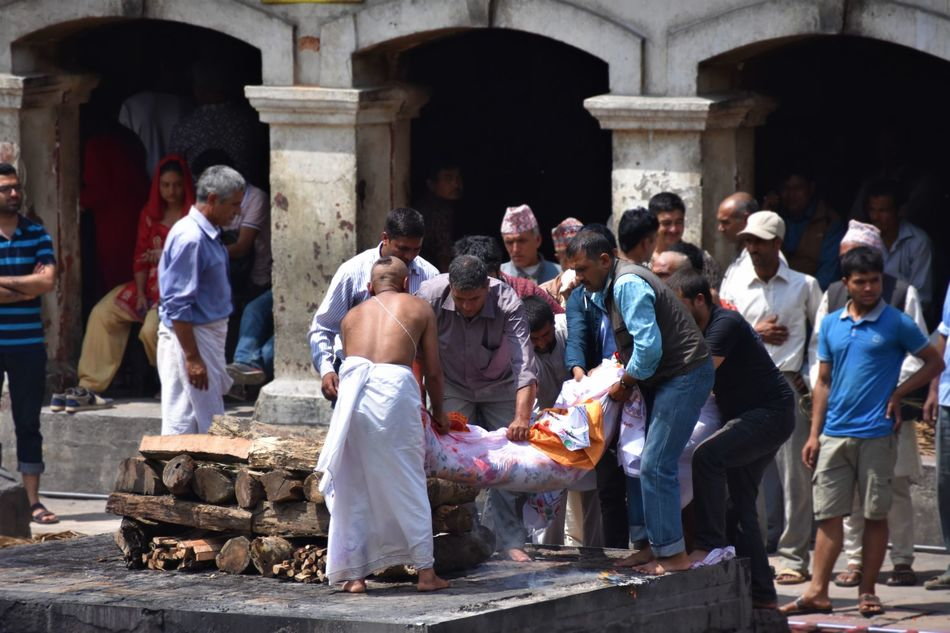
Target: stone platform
(81, 586)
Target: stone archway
(26, 19)
(411, 21)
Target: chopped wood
(281, 486)
(235, 556)
(291, 453)
(248, 489)
(267, 551)
(233, 426)
(452, 519)
(132, 538)
(228, 450)
(311, 488)
(170, 509)
(178, 473)
(291, 519)
(443, 492)
(307, 564)
(168, 553)
(213, 484)
(140, 476)
(456, 552)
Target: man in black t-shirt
(757, 407)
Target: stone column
(39, 133)
(339, 162)
(687, 145)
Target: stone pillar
(339, 162)
(687, 145)
(39, 132)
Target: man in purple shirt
(195, 302)
(490, 370)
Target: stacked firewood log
(244, 497)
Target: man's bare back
(372, 329)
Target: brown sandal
(870, 605)
(790, 577)
(850, 578)
(902, 576)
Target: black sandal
(41, 515)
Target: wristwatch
(625, 385)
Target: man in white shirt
(780, 304)
(731, 218)
(402, 238)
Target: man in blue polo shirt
(194, 305)
(27, 270)
(856, 412)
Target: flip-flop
(850, 578)
(938, 582)
(870, 605)
(790, 577)
(41, 515)
(800, 607)
(902, 576)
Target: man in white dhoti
(195, 302)
(373, 459)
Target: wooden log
(235, 556)
(178, 473)
(233, 426)
(213, 484)
(290, 453)
(452, 519)
(140, 476)
(456, 552)
(443, 492)
(291, 519)
(281, 486)
(311, 488)
(267, 551)
(248, 489)
(133, 539)
(168, 509)
(228, 450)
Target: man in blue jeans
(937, 409)
(664, 352)
(254, 355)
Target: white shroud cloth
(373, 465)
(184, 408)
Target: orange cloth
(543, 439)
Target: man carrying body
(402, 238)
(490, 370)
(374, 456)
(780, 304)
(855, 414)
(195, 304)
(522, 238)
(757, 406)
(663, 350)
(27, 271)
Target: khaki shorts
(846, 462)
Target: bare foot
(428, 581)
(698, 555)
(354, 586)
(518, 555)
(660, 566)
(639, 557)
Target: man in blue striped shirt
(402, 238)
(27, 270)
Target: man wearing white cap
(900, 519)
(780, 304)
(522, 238)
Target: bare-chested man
(373, 460)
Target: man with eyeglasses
(27, 270)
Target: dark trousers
(612, 489)
(732, 462)
(27, 372)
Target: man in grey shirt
(490, 370)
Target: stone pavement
(908, 608)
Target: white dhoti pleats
(373, 473)
(184, 408)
